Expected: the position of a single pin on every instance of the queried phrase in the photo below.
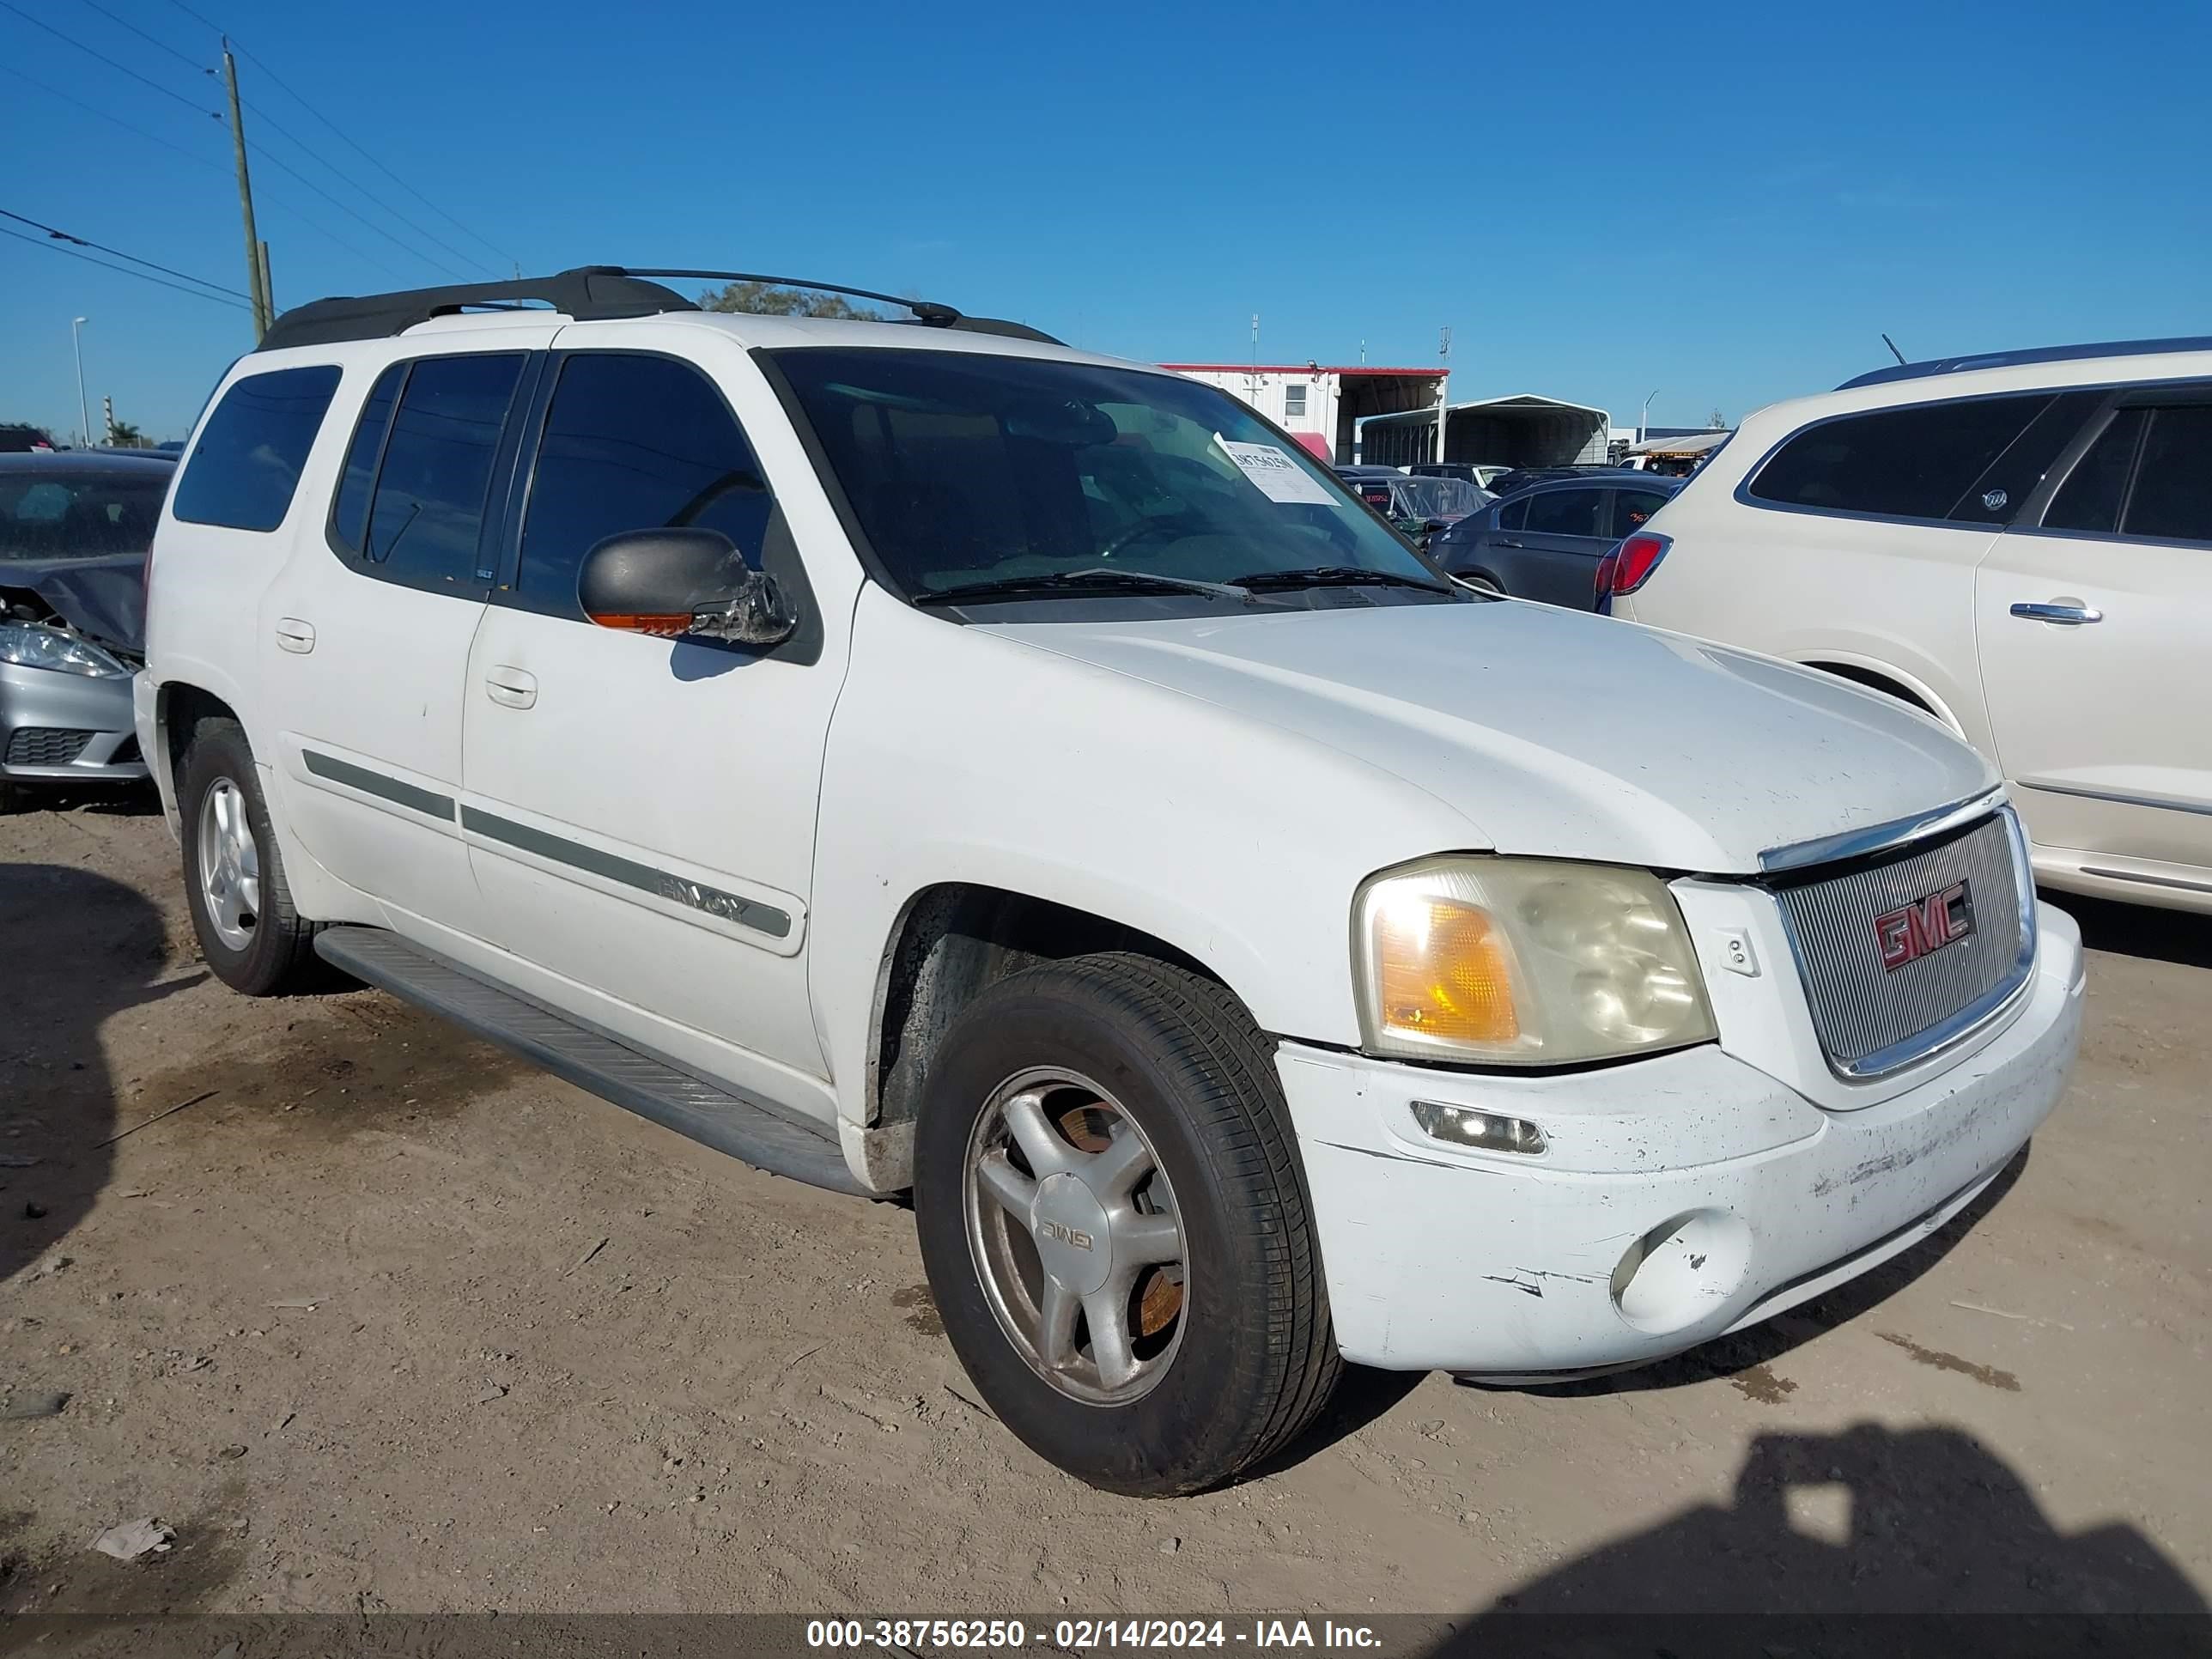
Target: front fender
(960, 755)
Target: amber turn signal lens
(1446, 972)
(666, 627)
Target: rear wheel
(1115, 1226)
(241, 907)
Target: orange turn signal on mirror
(661, 627)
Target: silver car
(74, 530)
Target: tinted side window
(427, 513)
(2172, 496)
(633, 443)
(349, 519)
(1631, 507)
(1513, 515)
(246, 463)
(1902, 463)
(2089, 501)
(1567, 513)
(1995, 496)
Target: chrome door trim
(2164, 802)
(2148, 881)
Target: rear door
(1561, 540)
(365, 634)
(2095, 629)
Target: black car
(1545, 542)
(1522, 477)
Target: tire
(1483, 581)
(1233, 1340)
(254, 939)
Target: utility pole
(256, 280)
(1444, 408)
(268, 290)
(83, 414)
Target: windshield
(965, 468)
(1438, 498)
(78, 514)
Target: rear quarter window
(1912, 463)
(246, 466)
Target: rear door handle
(2067, 614)
(510, 687)
(292, 635)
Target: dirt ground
(378, 1318)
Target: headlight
(34, 645)
(1525, 961)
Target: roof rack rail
(587, 294)
(926, 311)
(2015, 359)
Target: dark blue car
(1545, 542)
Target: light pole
(84, 413)
(1644, 421)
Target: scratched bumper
(1732, 1196)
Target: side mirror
(673, 583)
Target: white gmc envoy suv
(914, 756)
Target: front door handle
(1505, 541)
(292, 635)
(2067, 613)
(510, 687)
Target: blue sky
(1726, 204)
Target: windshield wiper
(1334, 575)
(1098, 579)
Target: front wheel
(1116, 1225)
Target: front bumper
(1679, 1198)
(66, 728)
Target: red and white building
(1320, 405)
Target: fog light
(1463, 1126)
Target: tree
(1717, 422)
(767, 299)
(124, 435)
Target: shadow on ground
(1870, 1541)
(80, 949)
(2136, 930)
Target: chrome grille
(1872, 1019)
(45, 746)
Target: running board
(711, 1114)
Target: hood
(103, 599)
(1560, 733)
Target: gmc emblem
(1924, 926)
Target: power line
(198, 293)
(196, 109)
(151, 138)
(149, 39)
(352, 212)
(261, 114)
(82, 241)
(348, 140)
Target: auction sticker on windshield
(1279, 478)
